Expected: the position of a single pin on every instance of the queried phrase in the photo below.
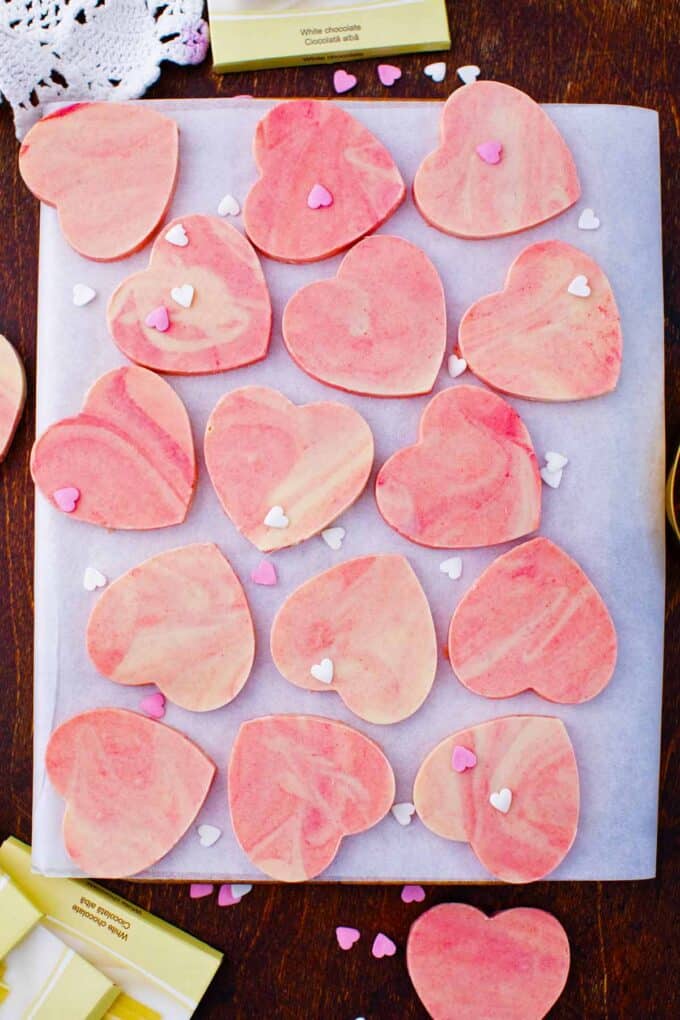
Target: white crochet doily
(91, 49)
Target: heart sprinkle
(231, 894)
(159, 319)
(343, 82)
(452, 567)
(404, 812)
(93, 578)
(456, 366)
(463, 758)
(228, 206)
(153, 705)
(436, 71)
(264, 573)
(82, 294)
(382, 946)
(347, 936)
(388, 74)
(468, 74)
(490, 152)
(177, 235)
(579, 287)
(412, 894)
(323, 671)
(319, 197)
(588, 220)
(502, 800)
(555, 461)
(333, 537)
(276, 518)
(67, 498)
(551, 478)
(208, 835)
(197, 890)
(183, 295)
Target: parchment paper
(608, 512)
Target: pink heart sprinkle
(264, 573)
(159, 319)
(153, 705)
(412, 894)
(490, 152)
(343, 82)
(347, 937)
(388, 74)
(463, 758)
(67, 499)
(382, 946)
(197, 890)
(226, 898)
(319, 197)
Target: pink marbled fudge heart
(12, 393)
(299, 784)
(228, 321)
(535, 178)
(525, 832)
(110, 170)
(536, 340)
(304, 143)
(179, 620)
(371, 618)
(533, 621)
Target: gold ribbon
(671, 496)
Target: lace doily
(91, 49)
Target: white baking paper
(607, 513)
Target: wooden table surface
(281, 958)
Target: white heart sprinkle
(501, 800)
(333, 537)
(183, 295)
(229, 206)
(403, 812)
(452, 567)
(93, 578)
(239, 890)
(555, 461)
(579, 287)
(436, 71)
(588, 220)
(82, 294)
(177, 235)
(456, 366)
(208, 834)
(468, 73)
(276, 518)
(323, 671)
(551, 478)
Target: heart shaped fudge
(462, 189)
(379, 327)
(126, 461)
(110, 170)
(282, 472)
(213, 294)
(301, 147)
(370, 618)
(181, 621)
(132, 788)
(299, 784)
(465, 965)
(533, 621)
(517, 807)
(537, 340)
(12, 393)
(471, 479)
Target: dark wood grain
(281, 960)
